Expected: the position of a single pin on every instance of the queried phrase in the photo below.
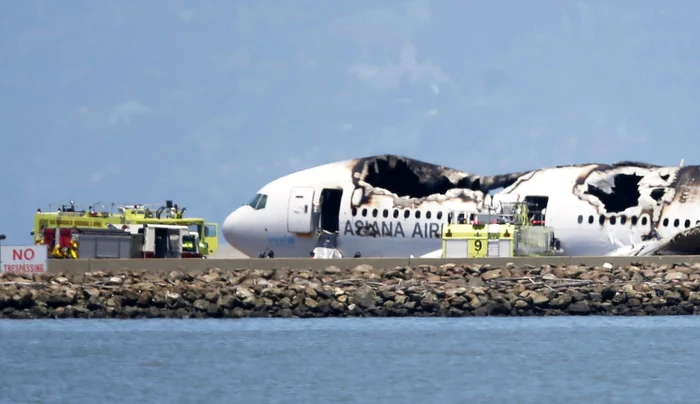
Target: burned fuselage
(410, 183)
(668, 196)
(617, 194)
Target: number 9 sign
(476, 248)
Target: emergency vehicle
(75, 216)
(137, 241)
(513, 230)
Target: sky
(203, 102)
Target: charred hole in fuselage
(657, 194)
(625, 193)
(416, 179)
(404, 179)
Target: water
(471, 360)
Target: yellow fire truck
(513, 231)
(97, 217)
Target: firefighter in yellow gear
(188, 245)
(57, 252)
(73, 250)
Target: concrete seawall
(457, 290)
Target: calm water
(474, 360)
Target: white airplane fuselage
(286, 214)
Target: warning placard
(27, 259)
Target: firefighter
(73, 251)
(57, 251)
(188, 244)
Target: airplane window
(644, 221)
(374, 213)
(406, 213)
(427, 215)
(687, 223)
(439, 215)
(364, 212)
(418, 214)
(665, 222)
(354, 211)
(590, 219)
(676, 223)
(613, 219)
(253, 202)
(623, 219)
(385, 213)
(601, 219)
(262, 202)
(634, 220)
(396, 213)
(580, 219)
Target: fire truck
(96, 216)
(134, 241)
(514, 230)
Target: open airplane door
(686, 242)
(300, 210)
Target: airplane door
(299, 216)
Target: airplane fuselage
(593, 209)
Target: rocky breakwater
(447, 290)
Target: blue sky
(203, 102)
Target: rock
(580, 308)
(115, 280)
(362, 269)
(672, 297)
(245, 295)
(573, 272)
(61, 280)
(561, 301)
(310, 292)
(521, 304)
(177, 276)
(211, 277)
(539, 299)
(491, 274)
(90, 292)
(676, 276)
(694, 298)
(429, 302)
(310, 303)
(476, 281)
(364, 299)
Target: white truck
(165, 241)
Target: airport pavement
(227, 252)
(76, 266)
